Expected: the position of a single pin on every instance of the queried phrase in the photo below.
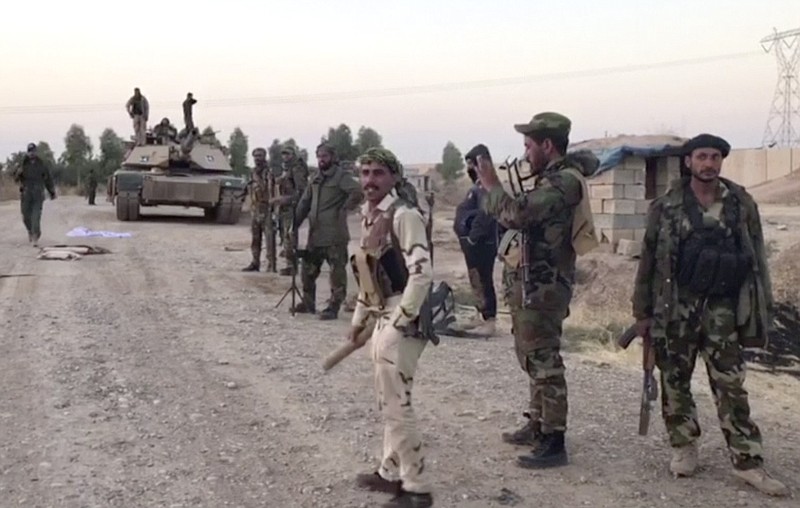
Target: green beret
(545, 122)
(381, 156)
(707, 141)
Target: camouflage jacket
(325, 202)
(260, 189)
(33, 175)
(656, 291)
(546, 214)
(292, 182)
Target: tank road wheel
(228, 209)
(224, 211)
(127, 206)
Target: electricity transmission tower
(783, 124)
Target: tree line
(79, 157)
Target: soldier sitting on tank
(165, 132)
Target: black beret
(707, 141)
(31, 147)
(477, 150)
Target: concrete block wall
(618, 203)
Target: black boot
(302, 308)
(551, 453)
(329, 313)
(407, 499)
(529, 435)
(252, 267)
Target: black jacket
(472, 222)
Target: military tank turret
(185, 170)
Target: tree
(77, 156)
(341, 139)
(452, 166)
(237, 156)
(368, 138)
(112, 153)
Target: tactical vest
(381, 273)
(710, 259)
(137, 106)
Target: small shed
(633, 171)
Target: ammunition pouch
(379, 274)
(712, 270)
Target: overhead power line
(386, 92)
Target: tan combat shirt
(409, 229)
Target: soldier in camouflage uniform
(330, 194)
(703, 287)
(33, 177)
(291, 185)
(261, 222)
(546, 215)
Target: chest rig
(711, 261)
(378, 264)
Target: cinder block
(603, 221)
(643, 206)
(619, 206)
(613, 236)
(629, 248)
(624, 175)
(606, 191)
(638, 234)
(609, 221)
(635, 163)
(673, 168)
(596, 205)
(606, 177)
(640, 177)
(636, 191)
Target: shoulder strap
(584, 236)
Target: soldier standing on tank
(291, 184)
(261, 222)
(187, 112)
(331, 193)
(703, 287)
(34, 178)
(165, 132)
(91, 186)
(139, 110)
(546, 214)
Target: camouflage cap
(381, 156)
(290, 149)
(548, 121)
(707, 141)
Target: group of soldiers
(702, 287)
(138, 108)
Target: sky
(420, 72)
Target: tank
(188, 171)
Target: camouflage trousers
(709, 330)
(395, 359)
(31, 203)
(537, 341)
(260, 227)
(285, 219)
(336, 257)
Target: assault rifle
(515, 182)
(649, 383)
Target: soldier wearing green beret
(703, 287)
(549, 217)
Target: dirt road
(161, 376)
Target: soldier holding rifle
(703, 287)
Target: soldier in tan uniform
(139, 110)
(394, 239)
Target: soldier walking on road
(34, 178)
(139, 110)
(331, 193)
(291, 184)
(542, 288)
(393, 234)
(91, 186)
(261, 222)
(703, 287)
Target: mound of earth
(782, 191)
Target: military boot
(407, 499)
(252, 267)
(684, 460)
(528, 435)
(758, 478)
(377, 483)
(302, 308)
(329, 313)
(550, 453)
